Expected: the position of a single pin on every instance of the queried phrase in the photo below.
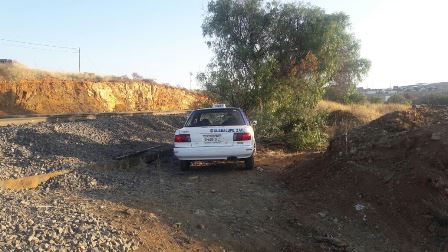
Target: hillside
(27, 91)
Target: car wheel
(249, 162)
(185, 165)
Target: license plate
(212, 138)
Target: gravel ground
(47, 219)
(33, 149)
(106, 205)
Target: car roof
(217, 108)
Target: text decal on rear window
(226, 130)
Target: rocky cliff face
(65, 96)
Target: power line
(72, 49)
(38, 48)
(38, 44)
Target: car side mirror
(253, 123)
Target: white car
(217, 133)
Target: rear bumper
(213, 153)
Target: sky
(405, 40)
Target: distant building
(415, 89)
(6, 61)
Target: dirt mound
(387, 182)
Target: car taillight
(182, 138)
(241, 137)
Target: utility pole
(79, 59)
(191, 74)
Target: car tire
(185, 165)
(249, 163)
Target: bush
(334, 94)
(433, 99)
(398, 99)
(357, 98)
(375, 100)
(308, 134)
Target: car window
(215, 117)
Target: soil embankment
(48, 96)
(382, 186)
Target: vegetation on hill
(399, 99)
(343, 117)
(432, 99)
(17, 72)
(364, 112)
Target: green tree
(136, 76)
(276, 59)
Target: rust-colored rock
(30, 182)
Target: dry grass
(346, 117)
(17, 72)
(20, 72)
(364, 112)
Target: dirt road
(216, 207)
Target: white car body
(215, 142)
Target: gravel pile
(33, 149)
(46, 219)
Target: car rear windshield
(215, 117)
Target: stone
(199, 212)
(436, 136)
(200, 226)
(152, 216)
(323, 214)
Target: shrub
(308, 134)
(357, 98)
(375, 100)
(399, 99)
(433, 99)
(334, 94)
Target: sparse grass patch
(344, 117)
(364, 112)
